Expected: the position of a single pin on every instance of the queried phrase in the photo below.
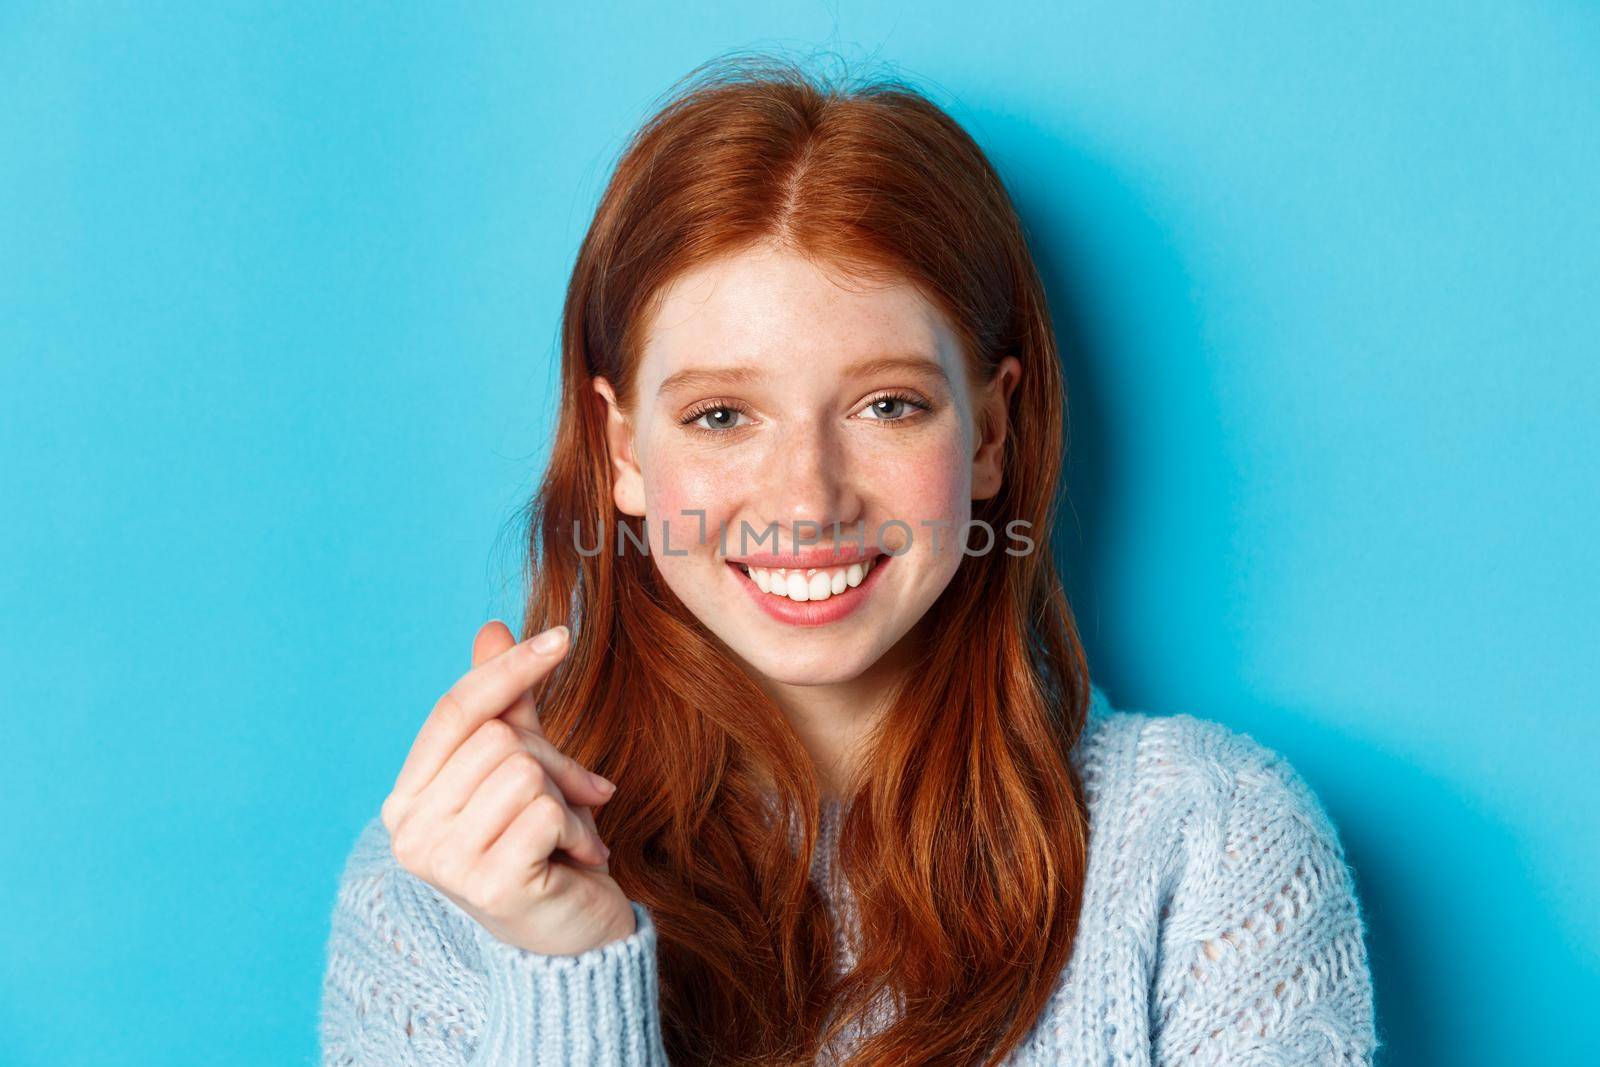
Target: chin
(795, 666)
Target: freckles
(671, 504)
(932, 483)
(679, 487)
(674, 498)
(683, 475)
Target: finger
(479, 755)
(503, 795)
(580, 841)
(508, 789)
(478, 696)
(524, 713)
(492, 638)
(579, 785)
(585, 815)
(534, 835)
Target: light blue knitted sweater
(1219, 926)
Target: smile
(810, 596)
(809, 583)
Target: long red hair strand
(965, 847)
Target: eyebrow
(696, 377)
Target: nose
(809, 479)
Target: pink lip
(812, 612)
(816, 557)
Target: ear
(627, 481)
(991, 420)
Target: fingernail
(550, 640)
(602, 784)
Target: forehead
(777, 311)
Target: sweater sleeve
(1263, 959)
(411, 980)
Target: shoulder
(1243, 894)
(1195, 781)
(1217, 823)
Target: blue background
(279, 288)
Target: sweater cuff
(600, 1006)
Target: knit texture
(1219, 926)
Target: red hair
(966, 844)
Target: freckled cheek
(677, 492)
(929, 484)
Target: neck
(833, 720)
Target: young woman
(791, 590)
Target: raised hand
(495, 817)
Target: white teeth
(810, 583)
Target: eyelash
(705, 408)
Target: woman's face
(779, 416)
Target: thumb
(494, 638)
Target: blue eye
(723, 415)
(890, 407)
(717, 417)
